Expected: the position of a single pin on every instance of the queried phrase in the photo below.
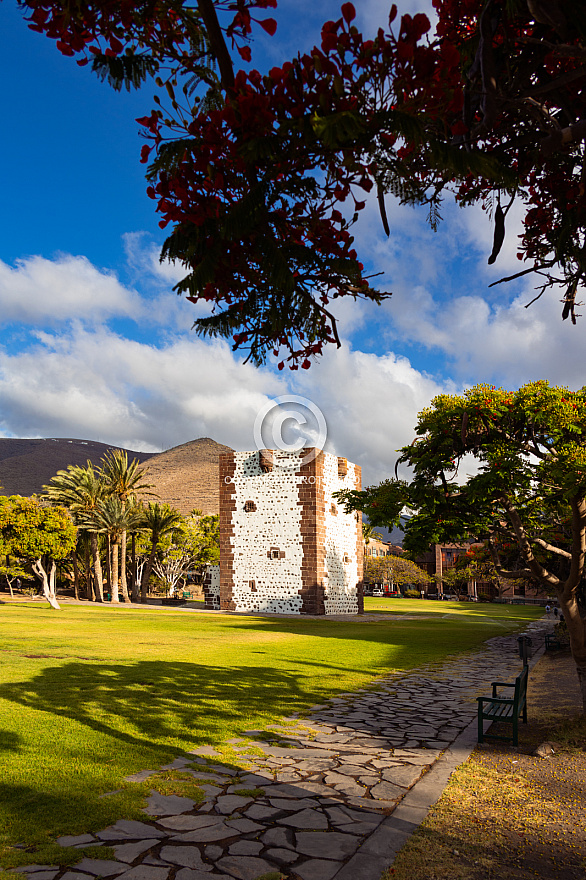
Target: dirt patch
(506, 813)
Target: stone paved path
(311, 807)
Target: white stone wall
(341, 594)
(276, 523)
(211, 586)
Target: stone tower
(286, 546)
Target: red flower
(269, 25)
(348, 12)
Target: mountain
(185, 476)
(26, 465)
(392, 536)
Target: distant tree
(395, 570)
(113, 518)
(478, 565)
(39, 535)
(126, 481)
(81, 490)
(160, 520)
(369, 534)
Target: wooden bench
(506, 709)
(556, 640)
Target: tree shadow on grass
(133, 717)
(157, 701)
(10, 741)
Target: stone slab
(76, 875)
(129, 829)
(333, 845)
(309, 820)
(101, 867)
(317, 869)
(129, 852)
(191, 874)
(40, 875)
(245, 826)
(75, 839)
(146, 872)
(189, 823)
(167, 804)
(405, 777)
(219, 831)
(278, 837)
(229, 803)
(282, 856)
(244, 867)
(245, 848)
(185, 856)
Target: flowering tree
(529, 491)
(260, 176)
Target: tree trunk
(123, 581)
(135, 595)
(48, 582)
(577, 631)
(146, 575)
(98, 585)
(75, 575)
(582, 680)
(115, 595)
(89, 590)
(108, 565)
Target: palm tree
(125, 481)
(113, 518)
(160, 519)
(81, 489)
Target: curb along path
(334, 800)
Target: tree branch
(538, 570)
(217, 42)
(551, 549)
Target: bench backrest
(521, 684)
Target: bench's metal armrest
(501, 684)
(505, 702)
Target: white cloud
(144, 258)
(371, 404)
(372, 14)
(37, 291)
(97, 385)
(497, 342)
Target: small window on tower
(249, 506)
(252, 586)
(334, 509)
(346, 559)
(275, 553)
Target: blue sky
(95, 344)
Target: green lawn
(92, 694)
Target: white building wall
(276, 523)
(341, 593)
(211, 586)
